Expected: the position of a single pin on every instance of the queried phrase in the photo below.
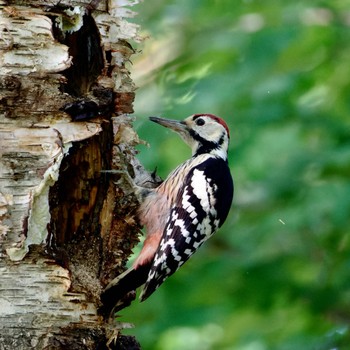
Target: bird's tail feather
(128, 281)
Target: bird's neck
(216, 149)
(218, 152)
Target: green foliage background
(277, 275)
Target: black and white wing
(199, 210)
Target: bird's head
(204, 133)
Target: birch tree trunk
(66, 226)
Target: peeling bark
(66, 226)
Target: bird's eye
(200, 121)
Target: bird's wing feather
(193, 219)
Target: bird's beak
(175, 125)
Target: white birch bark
(65, 226)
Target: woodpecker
(184, 210)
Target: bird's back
(197, 208)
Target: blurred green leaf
(277, 275)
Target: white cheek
(212, 134)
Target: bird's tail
(126, 282)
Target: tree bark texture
(67, 226)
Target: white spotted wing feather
(205, 192)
